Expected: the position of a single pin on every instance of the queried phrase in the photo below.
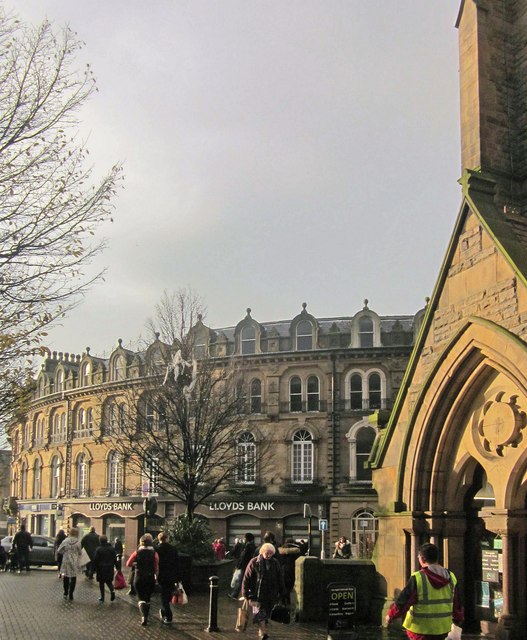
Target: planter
(202, 571)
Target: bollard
(213, 604)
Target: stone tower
(493, 78)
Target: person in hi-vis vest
(430, 601)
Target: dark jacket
(90, 542)
(263, 581)
(246, 555)
(287, 555)
(23, 540)
(168, 563)
(104, 561)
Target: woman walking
(70, 548)
(146, 569)
(263, 585)
(104, 562)
(59, 539)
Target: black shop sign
(342, 605)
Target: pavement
(32, 608)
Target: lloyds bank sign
(241, 506)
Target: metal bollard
(213, 604)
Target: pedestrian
(268, 537)
(263, 585)
(90, 542)
(59, 539)
(430, 601)
(288, 554)
(247, 554)
(168, 575)
(23, 543)
(104, 563)
(304, 547)
(119, 549)
(342, 548)
(219, 549)
(146, 569)
(3, 558)
(236, 550)
(71, 554)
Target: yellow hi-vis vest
(432, 613)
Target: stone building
(315, 387)
(451, 465)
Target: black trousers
(108, 583)
(144, 585)
(69, 585)
(23, 558)
(167, 589)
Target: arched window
(150, 416)
(151, 475)
(81, 424)
(313, 394)
(304, 336)
(114, 474)
(82, 475)
(112, 418)
(256, 396)
(27, 436)
(23, 481)
(59, 381)
(85, 374)
(89, 421)
(119, 368)
(122, 417)
(248, 339)
(355, 392)
(246, 459)
(55, 477)
(295, 394)
(37, 479)
(374, 391)
(365, 332)
(365, 437)
(40, 434)
(364, 532)
(59, 428)
(302, 462)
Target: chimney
(493, 88)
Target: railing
(363, 405)
(304, 406)
(83, 433)
(57, 438)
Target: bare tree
(180, 426)
(49, 206)
(175, 314)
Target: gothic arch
(482, 367)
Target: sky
(275, 152)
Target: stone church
(451, 465)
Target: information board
(342, 605)
(490, 565)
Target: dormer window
(304, 336)
(85, 374)
(59, 386)
(119, 368)
(248, 340)
(366, 332)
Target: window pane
(248, 340)
(295, 394)
(356, 392)
(304, 336)
(374, 385)
(366, 332)
(313, 396)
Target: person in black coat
(104, 563)
(90, 542)
(168, 575)
(248, 551)
(23, 543)
(146, 563)
(59, 539)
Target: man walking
(90, 542)
(248, 551)
(23, 543)
(430, 601)
(168, 575)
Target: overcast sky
(275, 152)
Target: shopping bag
(236, 578)
(179, 596)
(242, 619)
(280, 613)
(455, 633)
(85, 558)
(119, 582)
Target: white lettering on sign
(112, 506)
(241, 506)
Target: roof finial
(157, 334)
(365, 304)
(427, 300)
(88, 351)
(249, 312)
(120, 342)
(304, 305)
(200, 317)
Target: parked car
(43, 551)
